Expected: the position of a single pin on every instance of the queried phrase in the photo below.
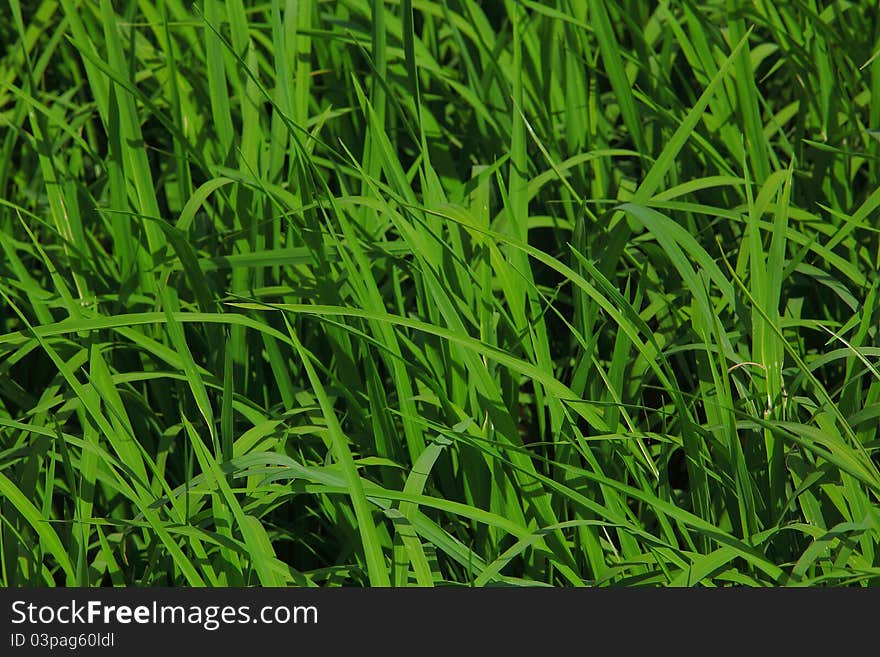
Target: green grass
(439, 292)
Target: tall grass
(434, 292)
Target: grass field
(439, 292)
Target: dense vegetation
(439, 292)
